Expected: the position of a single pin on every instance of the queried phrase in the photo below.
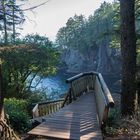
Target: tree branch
(34, 7)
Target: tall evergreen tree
(128, 48)
(1, 90)
(11, 16)
(3, 14)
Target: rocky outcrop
(73, 60)
(102, 59)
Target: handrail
(107, 94)
(79, 85)
(49, 102)
(86, 81)
(47, 107)
(67, 98)
(106, 91)
(35, 111)
(69, 80)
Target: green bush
(36, 96)
(17, 112)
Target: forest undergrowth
(122, 126)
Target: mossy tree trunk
(128, 48)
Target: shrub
(34, 97)
(17, 112)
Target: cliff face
(102, 59)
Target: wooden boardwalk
(77, 121)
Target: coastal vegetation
(107, 41)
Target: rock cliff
(102, 59)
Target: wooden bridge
(80, 116)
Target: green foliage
(11, 16)
(114, 115)
(36, 96)
(17, 112)
(22, 63)
(99, 29)
(72, 34)
(113, 122)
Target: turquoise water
(55, 86)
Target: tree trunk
(4, 23)
(128, 48)
(13, 18)
(138, 89)
(138, 83)
(1, 91)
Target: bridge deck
(77, 121)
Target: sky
(49, 18)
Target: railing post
(65, 100)
(70, 95)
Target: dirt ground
(117, 100)
(122, 138)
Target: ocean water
(55, 86)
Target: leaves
(80, 33)
(19, 62)
(11, 16)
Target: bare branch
(34, 7)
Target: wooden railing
(46, 108)
(81, 84)
(84, 82)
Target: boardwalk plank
(77, 121)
